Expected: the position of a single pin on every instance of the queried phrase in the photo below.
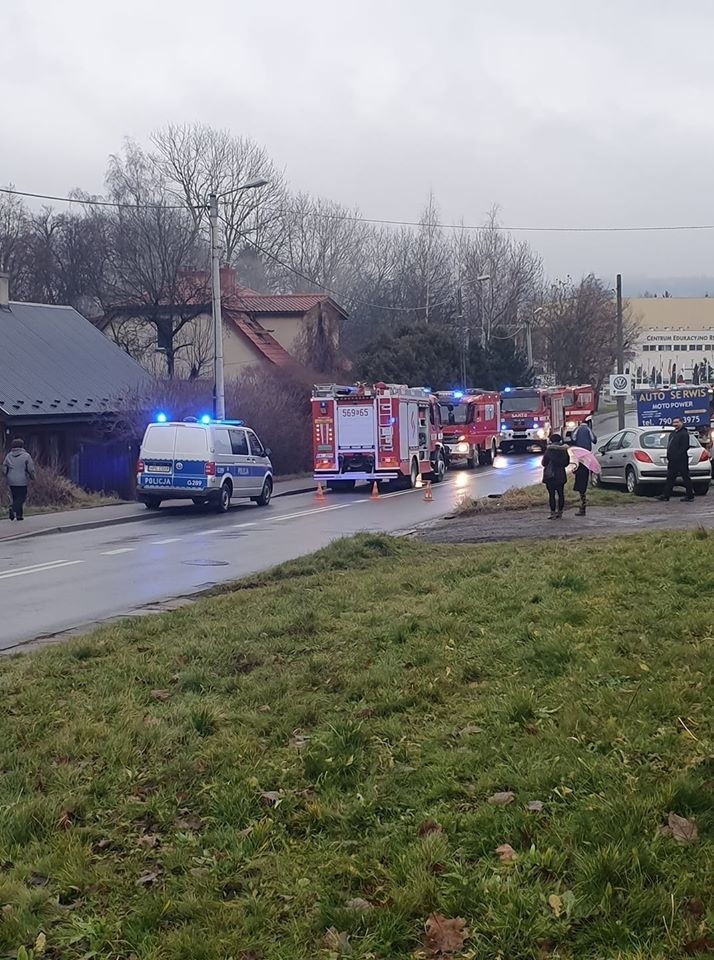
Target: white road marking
(114, 553)
(39, 568)
(251, 523)
(208, 533)
(307, 513)
(160, 543)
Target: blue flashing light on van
(161, 418)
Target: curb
(81, 526)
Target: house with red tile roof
(272, 329)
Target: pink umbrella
(586, 457)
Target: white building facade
(675, 342)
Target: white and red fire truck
(528, 417)
(383, 432)
(471, 422)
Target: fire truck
(472, 425)
(383, 432)
(528, 416)
(579, 404)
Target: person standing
(678, 461)
(583, 437)
(555, 460)
(19, 470)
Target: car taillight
(139, 466)
(210, 469)
(703, 456)
(642, 456)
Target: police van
(210, 461)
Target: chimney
(4, 289)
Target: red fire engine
(384, 432)
(528, 416)
(472, 425)
(579, 405)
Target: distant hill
(640, 286)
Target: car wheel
(152, 503)
(265, 494)
(224, 500)
(414, 473)
(701, 489)
(631, 483)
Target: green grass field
(301, 767)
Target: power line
(655, 228)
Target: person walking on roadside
(678, 461)
(555, 460)
(583, 437)
(19, 469)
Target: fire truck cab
(471, 422)
(383, 432)
(528, 416)
(579, 403)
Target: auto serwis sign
(659, 407)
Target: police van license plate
(158, 468)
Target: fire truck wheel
(439, 471)
(414, 473)
(471, 461)
(490, 455)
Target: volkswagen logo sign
(621, 383)
(179, 465)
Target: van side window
(221, 443)
(239, 444)
(256, 447)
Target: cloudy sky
(563, 113)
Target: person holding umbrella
(584, 439)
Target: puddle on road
(206, 563)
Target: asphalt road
(53, 584)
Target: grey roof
(54, 362)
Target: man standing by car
(678, 461)
(586, 439)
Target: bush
(51, 489)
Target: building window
(661, 347)
(693, 346)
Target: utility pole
(219, 392)
(620, 354)
(464, 336)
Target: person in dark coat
(678, 461)
(555, 460)
(585, 438)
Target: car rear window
(159, 440)
(658, 439)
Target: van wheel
(224, 500)
(266, 493)
(414, 474)
(152, 503)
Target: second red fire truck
(383, 432)
(471, 422)
(528, 417)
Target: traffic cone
(320, 493)
(419, 483)
(374, 495)
(428, 495)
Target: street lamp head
(485, 276)
(252, 184)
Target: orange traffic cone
(320, 493)
(419, 483)
(374, 495)
(428, 495)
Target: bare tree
(14, 243)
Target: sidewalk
(90, 518)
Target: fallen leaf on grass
(188, 821)
(506, 853)
(264, 709)
(534, 806)
(555, 904)
(298, 740)
(40, 944)
(360, 905)
(148, 841)
(271, 798)
(428, 827)
(151, 721)
(443, 935)
(680, 829)
(66, 818)
(198, 871)
(161, 695)
(102, 844)
(243, 834)
(469, 729)
(338, 941)
(146, 879)
(702, 944)
(502, 799)
(250, 955)
(695, 907)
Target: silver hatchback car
(636, 458)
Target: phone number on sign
(355, 411)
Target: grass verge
(301, 768)
(525, 498)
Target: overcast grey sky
(563, 113)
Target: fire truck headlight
(541, 434)
(462, 448)
(571, 424)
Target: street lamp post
(219, 389)
(529, 335)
